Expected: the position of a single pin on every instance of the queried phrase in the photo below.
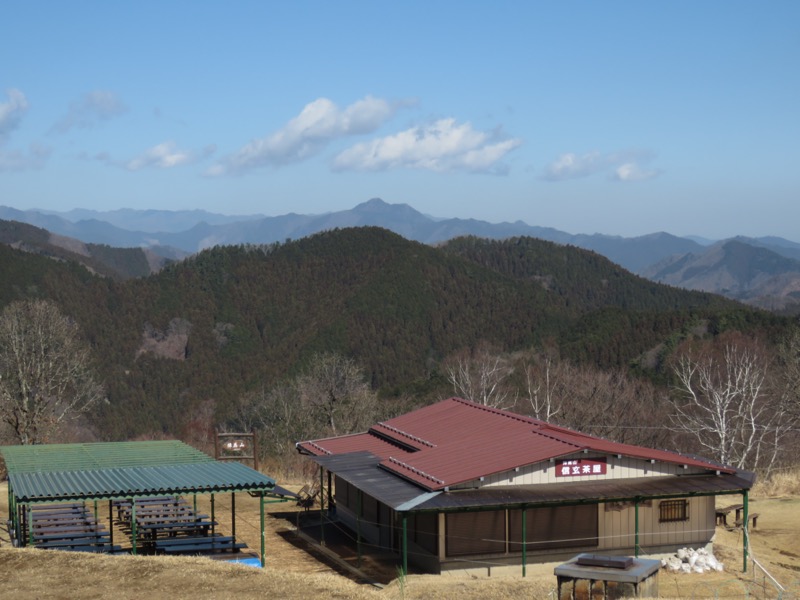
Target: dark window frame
(673, 511)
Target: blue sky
(622, 118)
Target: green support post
(405, 545)
(233, 516)
(111, 523)
(636, 527)
(524, 542)
(213, 517)
(321, 490)
(321, 519)
(95, 510)
(358, 527)
(30, 524)
(263, 539)
(134, 533)
(745, 530)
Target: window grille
(671, 511)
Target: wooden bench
(100, 548)
(198, 545)
(751, 517)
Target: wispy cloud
(11, 112)
(319, 123)
(90, 110)
(620, 166)
(15, 160)
(165, 155)
(443, 145)
(634, 172)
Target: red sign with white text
(580, 466)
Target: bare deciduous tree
(481, 375)
(544, 388)
(335, 390)
(45, 371)
(725, 403)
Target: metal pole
(213, 519)
(636, 527)
(358, 526)
(405, 545)
(30, 524)
(524, 543)
(111, 524)
(263, 539)
(255, 449)
(745, 530)
(321, 518)
(321, 490)
(133, 525)
(233, 516)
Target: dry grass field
(297, 569)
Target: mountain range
(763, 272)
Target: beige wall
(617, 527)
(617, 468)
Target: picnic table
(722, 513)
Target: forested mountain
(197, 335)
(120, 263)
(752, 274)
(176, 234)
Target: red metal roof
(455, 441)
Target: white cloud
(622, 166)
(90, 110)
(572, 166)
(441, 146)
(162, 156)
(11, 112)
(320, 122)
(633, 172)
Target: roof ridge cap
(404, 434)
(414, 470)
(497, 411)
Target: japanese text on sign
(580, 466)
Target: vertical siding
(617, 528)
(617, 468)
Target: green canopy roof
(69, 457)
(58, 472)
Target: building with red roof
(458, 485)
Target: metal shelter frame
(126, 471)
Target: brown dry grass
(294, 570)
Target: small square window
(670, 511)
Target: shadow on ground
(337, 546)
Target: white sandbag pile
(687, 560)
